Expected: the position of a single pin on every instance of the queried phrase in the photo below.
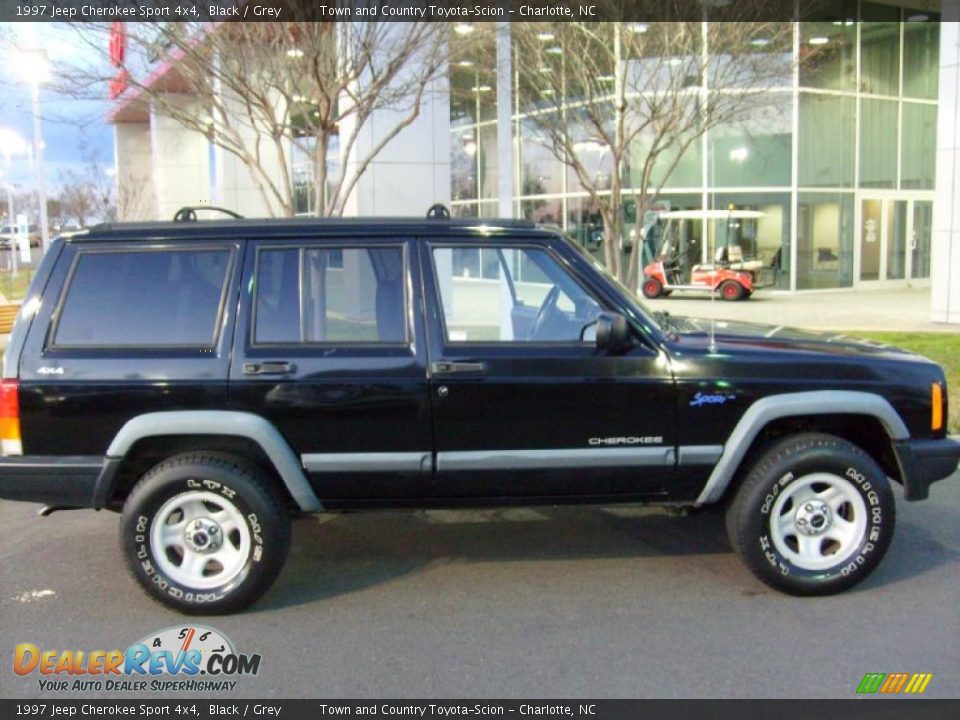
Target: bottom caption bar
(586, 709)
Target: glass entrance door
(894, 240)
(871, 239)
(921, 236)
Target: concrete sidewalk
(901, 309)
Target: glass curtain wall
(858, 115)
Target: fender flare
(775, 407)
(210, 422)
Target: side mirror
(613, 332)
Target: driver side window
(520, 295)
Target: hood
(747, 335)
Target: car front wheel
(204, 533)
(732, 290)
(652, 288)
(814, 516)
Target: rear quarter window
(144, 298)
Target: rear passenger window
(144, 298)
(330, 295)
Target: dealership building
(852, 165)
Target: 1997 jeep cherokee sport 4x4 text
(210, 379)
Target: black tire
(260, 540)
(731, 290)
(652, 288)
(787, 470)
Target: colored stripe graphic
(918, 683)
(870, 683)
(894, 683)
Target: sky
(71, 128)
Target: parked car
(207, 380)
(8, 232)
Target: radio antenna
(712, 347)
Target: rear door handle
(456, 368)
(278, 367)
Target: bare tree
(267, 92)
(618, 104)
(136, 202)
(76, 198)
(25, 203)
(87, 194)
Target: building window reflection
(824, 240)
(864, 120)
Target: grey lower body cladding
(544, 459)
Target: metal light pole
(38, 155)
(11, 216)
(11, 144)
(37, 71)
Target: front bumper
(924, 462)
(67, 481)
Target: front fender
(774, 407)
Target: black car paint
(99, 390)
(745, 368)
(349, 398)
(364, 399)
(547, 396)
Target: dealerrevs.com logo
(177, 659)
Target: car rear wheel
(652, 288)
(731, 290)
(204, 533)
(814, 516)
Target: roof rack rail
(188, 213)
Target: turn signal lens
(10, 443)
(936, 407)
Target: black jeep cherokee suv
(210, 379)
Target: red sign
(118, 43)
(118, 84)
(118, 50)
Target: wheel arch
(241, 433)
(865, 419)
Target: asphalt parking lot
(550, 602)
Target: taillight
(936, 406)
(10, 443)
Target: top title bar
(426, 10)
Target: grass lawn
(14, 288)
(942, 348)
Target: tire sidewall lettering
(778, 486)
(868, 543)
(139, 537)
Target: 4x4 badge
(47, 370)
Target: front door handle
(454, 368)
(278, 367)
